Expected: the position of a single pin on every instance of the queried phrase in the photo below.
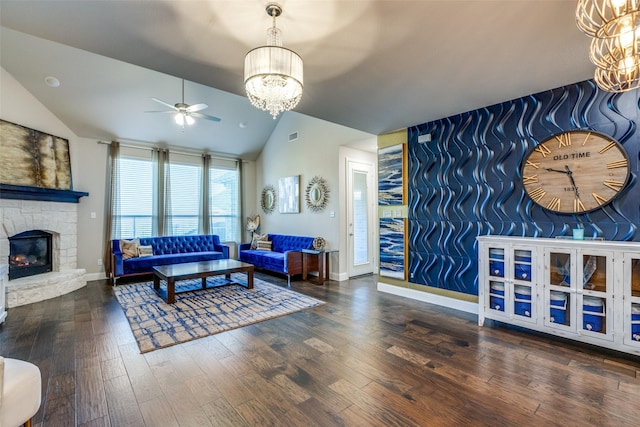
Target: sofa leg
(29, 423)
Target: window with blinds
(135, 182)
(224, 204)
(182, 198)
(184, 195)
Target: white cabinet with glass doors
(509, 292)
(587, 290)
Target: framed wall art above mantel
(32, 158)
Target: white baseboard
(466, 306)
(340, 277)
(95, 276)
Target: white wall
(314, 153)
(90, 176)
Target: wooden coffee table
(197, 270)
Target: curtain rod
(143, 145)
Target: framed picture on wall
(33, 158)
(392, 248)
(390, 175)
(289, 194)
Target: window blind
(185, 187)
(224, 205)
(136, 197)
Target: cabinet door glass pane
(593, 314)
(496, 295)
(522, 265)
(594, 273)
(635, 277)
(560, 307)
(496, 262)
(522, 300)
(560, 269)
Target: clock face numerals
(575, 172)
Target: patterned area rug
(201, 313)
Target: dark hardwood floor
(363, 359)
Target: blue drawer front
(558, 315)
(496, 268)
(635, 330)
(592, 322)
(496, 303)
(522, 272)
(522, 308)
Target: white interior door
(360, 218)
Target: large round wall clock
(575, 172)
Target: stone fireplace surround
(59, 219)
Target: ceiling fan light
(179, 118)
(189, 119)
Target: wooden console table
(316, 260)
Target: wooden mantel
(21, 192)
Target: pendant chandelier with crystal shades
(614, 28)
(273, 75)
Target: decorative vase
(318, 243)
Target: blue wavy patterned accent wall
(466, 181)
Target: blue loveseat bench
(284, 257)
(167, 250)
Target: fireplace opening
(29, 254)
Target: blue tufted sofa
(284, 257)
(167, 250)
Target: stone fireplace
(57, 219)
(29, 254)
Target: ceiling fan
(185, 113)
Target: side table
(316, 260)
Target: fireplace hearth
(60, 220)
(30, 253)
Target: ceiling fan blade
(161, 111)
(206, 117)
(197, 107)
(165, 104)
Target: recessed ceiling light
(52, 81)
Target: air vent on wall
(293, 136)
(424, 138)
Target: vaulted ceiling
(375, 66)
